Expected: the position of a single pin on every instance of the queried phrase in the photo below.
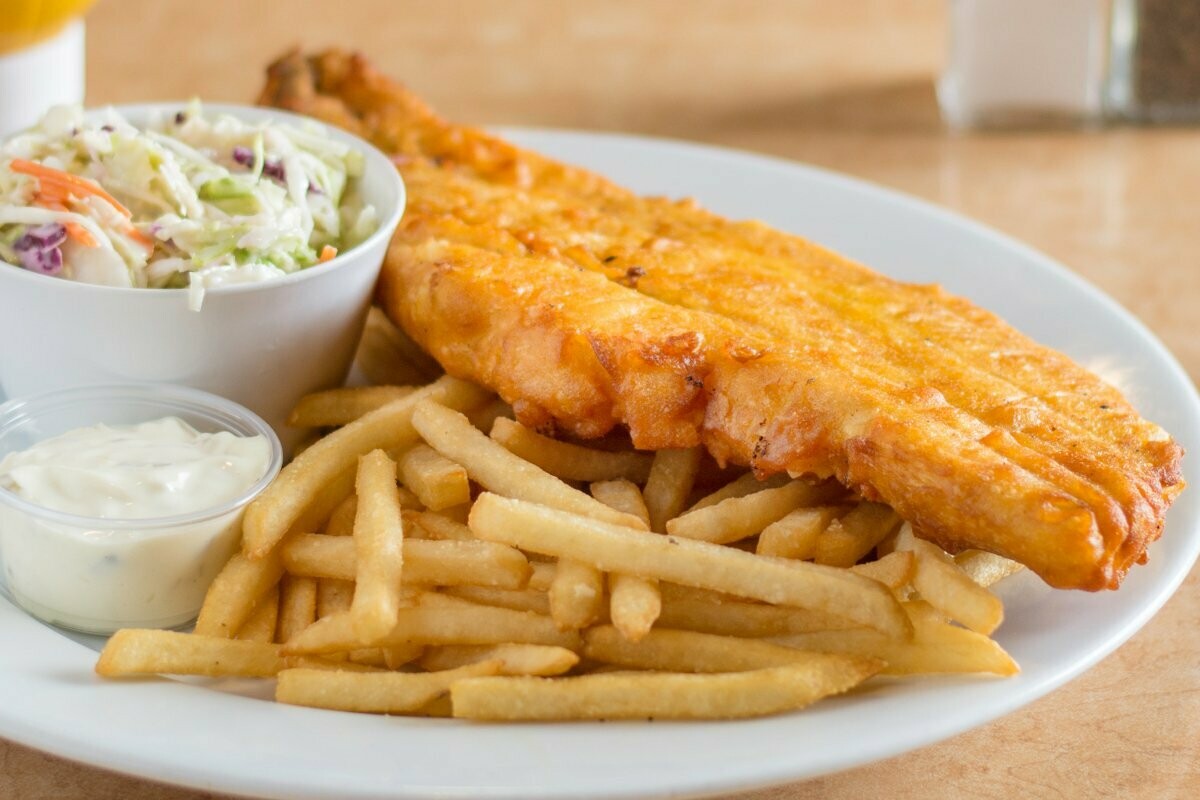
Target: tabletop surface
(848, 86)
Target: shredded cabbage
(189, 201)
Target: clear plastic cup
(98, 575)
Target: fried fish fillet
(588, 307)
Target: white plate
(227, 741)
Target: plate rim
(109, 756)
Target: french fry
(672, 475)
(378, 547)
(986, 568)
(668, 650)
(920, 611)
(260, 625)
(398, 655)
(408, 500)
(378, 658)
(412, 529)
(234, 592)
(439, 526)
(611, 548)
(335, 663)
(740, 487)
(888, 545)
(336, 407)
(426, 562)
(795, 534)
(658, 695)
(741, 517)
(541, 575)
(515, 659)
(442, 599)
(672, 592)
(948, 589)
(474, 624)
(484, 417)
(323, 503)
(367, 657)
(297, 606)
(851, 537)
(622, 495)
(936, 648)
(388, 357)
(272, 513)
(488, 463)
(700, 610)
(389, 590)
(439, 707)
(372, 692)
(576, 594)
(570, 462)
(334, 596)
(332, 635)
(518, 599)
(341, 519)
(634, 604)
(893, 570)
(437, 481)
(457, 514)
(134, 651)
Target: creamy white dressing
(96, 578)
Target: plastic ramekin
(98, 575)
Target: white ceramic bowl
(262, 345)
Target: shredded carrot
(74, 229)
(81, 234)
(139, 237)
(327, 253)
(59, 185)
(56, 188)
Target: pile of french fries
(432, 556)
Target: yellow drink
(26, 22)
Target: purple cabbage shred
(243, 155)
(39, 248)
(272, 169)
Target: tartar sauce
(98, 578)
(154, 469)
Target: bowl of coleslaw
(233, 249)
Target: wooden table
(844, 85)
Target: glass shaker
(1154, 64)
(1034, 63)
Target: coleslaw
(188, 201)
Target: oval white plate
(231, 741)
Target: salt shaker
(1024, 62)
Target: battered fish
(588, 307)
